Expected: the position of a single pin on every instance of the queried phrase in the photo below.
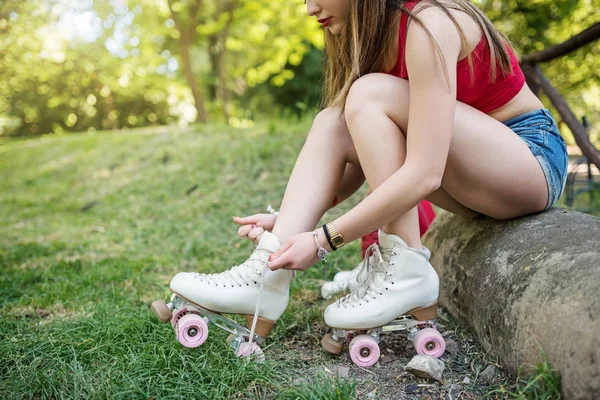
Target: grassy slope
(96, 271)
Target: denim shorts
(539, 130)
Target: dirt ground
(464, 361)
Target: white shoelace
(244, 274)
(371, 277)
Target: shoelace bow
(371, 276)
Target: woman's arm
(432, 107)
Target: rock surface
(487, 375)
(524, 286)
(426, 367)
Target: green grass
(322, 388)
(539, 382)
(92, 228)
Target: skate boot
(342, 281)
(400, 292)
(250, 289)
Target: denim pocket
(533, 135)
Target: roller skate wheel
(161, 310)
(254, 352)
(364, 350)
(430, 342)
(350, 336)
(177, 315)
(192, 330)
(331, 345)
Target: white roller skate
(250, 289)
(399, 292)
(342, 281)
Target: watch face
(338, 240)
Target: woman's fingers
(280, 258)
(244, 230)
(251, 219)
(255, 233)
(251, 231)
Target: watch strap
(328, 237)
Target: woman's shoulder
(438, 22)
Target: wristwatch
(336, 238)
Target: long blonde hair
(365, 45)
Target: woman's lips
(326, 21)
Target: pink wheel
(177, 314)
(245, 350)
(364, 350)
(350, 336)
(192, 330)
(430, 342)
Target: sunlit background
(86, 66)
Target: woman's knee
(330, 130)
(330, 124)
(361, 96)
(374, 93)
(330, 116)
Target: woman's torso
(523, 102)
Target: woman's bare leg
(317, 175)
(490, 170)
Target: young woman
(427, 101)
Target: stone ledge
(526, 285)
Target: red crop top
(482, 94)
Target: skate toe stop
(159, 307)
(330, 345)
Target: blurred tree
(535, 25)
(186, 20)
(68, 66)
(217, 48)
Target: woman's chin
(334, 30)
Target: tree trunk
(526, 286)
(537, 81)
(581, 39)
(579, 132)
(184, 49)
(186, 40)
(218, 52)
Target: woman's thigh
(490, 169)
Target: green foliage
(534, 25)
(322, 388)
(540, 382)
(78, 66)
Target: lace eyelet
(392, 283)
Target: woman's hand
(253, 226)
(298, 253)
